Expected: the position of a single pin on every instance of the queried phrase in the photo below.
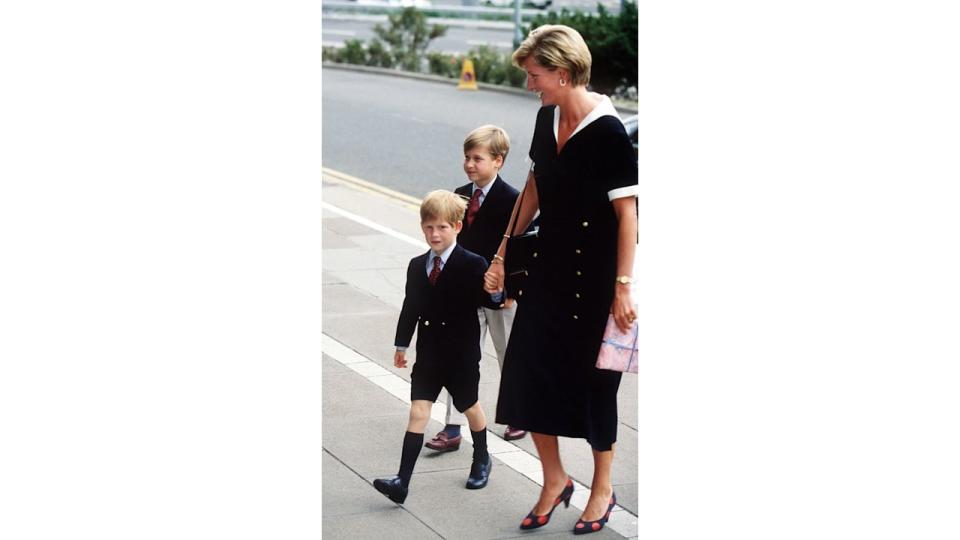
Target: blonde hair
(443, 205)
(555, 46)
(492, 137)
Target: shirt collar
(604, 108)
(485, 189)
(443, 256)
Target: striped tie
(435, 273)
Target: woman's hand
(400, 359)
(622, 308)
(493, 279)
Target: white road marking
(375, 226)
(511, 455)
(334, 32)
(497, 44)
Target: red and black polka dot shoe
(587, 527)
(533, 521)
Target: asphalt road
(408, 134)
(456, 40)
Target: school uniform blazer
(490, 224)
(444, 315)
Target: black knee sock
(408, 458)
(480, 454)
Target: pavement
(369, 235)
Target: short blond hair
(493, 138)
(555, 46)
(443, 205)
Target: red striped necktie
(474, 206)
(435, 273)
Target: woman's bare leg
(602, 488)
(554, 477)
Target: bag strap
(516, 218)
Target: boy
(444, 288)
(488, 213)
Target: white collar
(443, 256)
(485, 189)
(604, 108)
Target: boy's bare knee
(419, 415)
(475, 417)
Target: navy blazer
(444, 315)
(490, 224)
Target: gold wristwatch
(624, 280)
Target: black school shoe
(479, 474)
(392, 488)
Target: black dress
(549, 382)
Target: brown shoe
(441, 443)
(512, 434)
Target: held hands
(491, 283)
(493, 278)
(400, 359)
(622, 308)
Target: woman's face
(544, 82)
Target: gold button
(585, 223)
(443, 324)
(426, 323)
(534, 254)
(578, 295)
(520, 293)
(578, 252)
(574, 316)
(578, 272)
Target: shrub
(330, 54)
(494, 67)
(378, 55)
(445, 65)
(408, 36)
(352, 52)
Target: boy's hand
(496, 272)
(400, 359)
(491, 283)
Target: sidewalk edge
(370, 186)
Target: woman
(584, 183)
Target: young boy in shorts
(488, 213)
(443, 291)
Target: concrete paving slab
(345, 300)
(372, 446)
(339, 260)
(397, 215)
(342, 226)
(366, 399)
(627, 496)
(332, 240)
(329, 278)
(368, 369)
(381, 284)
(553, 530)
(627, 401)
(435, 497)
(331, 367)
(371, 336)
(374, 525)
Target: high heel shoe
(587, 527)
(533, 521)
